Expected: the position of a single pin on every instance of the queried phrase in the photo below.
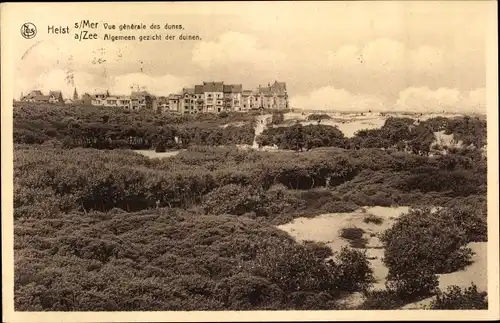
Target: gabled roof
(213, 86)
(140, 93)
(188, 91)
(198, 89)
(95, 95)
(276, 87)
(232, 88)
(247, 92)
(55, 93)
(33, 94)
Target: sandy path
(262, 121)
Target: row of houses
(136, 101)
(206, 97)
(218, 97)
(37, 96)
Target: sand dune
(325, 228)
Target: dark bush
(372, 218)
(318, 249)
(456, 298)
(412, 285)
(352, 233)
(438, 246)
(381, 300)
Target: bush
(438, 246)
(413, 285)
(352, 233)
(372, 218)
(233, 199)
(160, 148)
(381, 300)
(318, 249)
(353, 271)
(318, 117)
(456, 298)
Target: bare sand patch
(154, 154)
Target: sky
(341, 56)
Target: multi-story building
(213, 96)
(274, 96)
(162, 104)
(99, 99)
(142, 100)
(232, 97)
(187, 101)
(136, 101)
(174, 102)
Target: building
(142, 100)
(232, 97)
(99, 99)
(217, 97)
(174, 102)
(187, 101)
(86, 99)
(136, 101)
(55, 97)
(162, 104)
(274, 96)
(39, 97)
(213, 94)
(32, 96)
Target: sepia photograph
(284, 160)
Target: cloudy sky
(397, 55)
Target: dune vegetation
(99, 227)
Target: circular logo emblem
(28, 30)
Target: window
(186, 101)
(210, 95)
(244, 105)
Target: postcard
(249, 161)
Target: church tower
(75, 95)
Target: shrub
(352, 270)
(352, 233)
(372, 218)
(223, 114)
(355, 237)
(233, 199)
(318, 117)
(456, 298)
(160, 148)
(428, 237)
(318, 249)
(381, 300)
(413, 285)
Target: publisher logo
(28, 30)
